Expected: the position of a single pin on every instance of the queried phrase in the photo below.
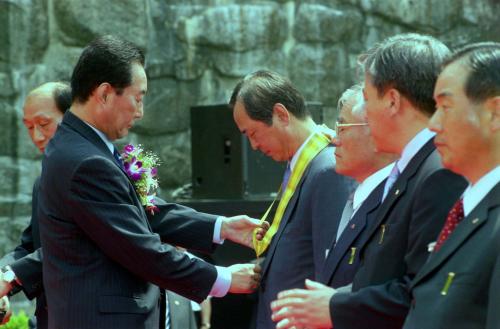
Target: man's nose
(336, 141)
(435, 121)
(37, 134)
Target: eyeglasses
(339, 125)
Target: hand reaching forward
(245, 278)
(304, 308)
(240, 229)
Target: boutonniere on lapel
(141, 168)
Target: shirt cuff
(222, 283)
(217, 229)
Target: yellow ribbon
(315, 144)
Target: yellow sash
(315, 144)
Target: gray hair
(353, 97)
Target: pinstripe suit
(102, 263)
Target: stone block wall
(196, 51)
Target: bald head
(43, 110)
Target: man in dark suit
(459, 286)
(400, 74)
(42, 112)
(356, 157)
(271, 112)
(102, 263)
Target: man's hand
(240, 229)
(5, 310)
(304, 308)
(5, 287)
(245, 278)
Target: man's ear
(102, 93)
(493, 106)
(393, 99)
(281, 114)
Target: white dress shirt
(412, 148)
(475, 193)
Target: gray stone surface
(235, 27)
(196, 51)
(79, 22)
(320, 72)
(319, 23)
(167, 106)
(24, 33)
(237, 64)
(175, 156)
(8, 131)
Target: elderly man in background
(356, 157)
(43, 110)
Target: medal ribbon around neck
(314, 145)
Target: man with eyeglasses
(400, 74)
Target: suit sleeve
(25, 261)
(29, 271)
(387, 304)
(102, 203)
(183, 226)
(27, 245)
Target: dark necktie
(286, 177)
(455, 216)
(118, 158)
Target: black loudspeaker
(224, 166)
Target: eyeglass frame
(343, 125)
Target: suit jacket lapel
(351, 232)
(88, 133)
(462, 232)
(286, 217)
(400, 186)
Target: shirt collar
(413, 147)
(475, 193)
(104, 138)
(369, 184)
(295, 157)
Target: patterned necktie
(118, 158)
(455, 216)
(346, 216)
(393, 176)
